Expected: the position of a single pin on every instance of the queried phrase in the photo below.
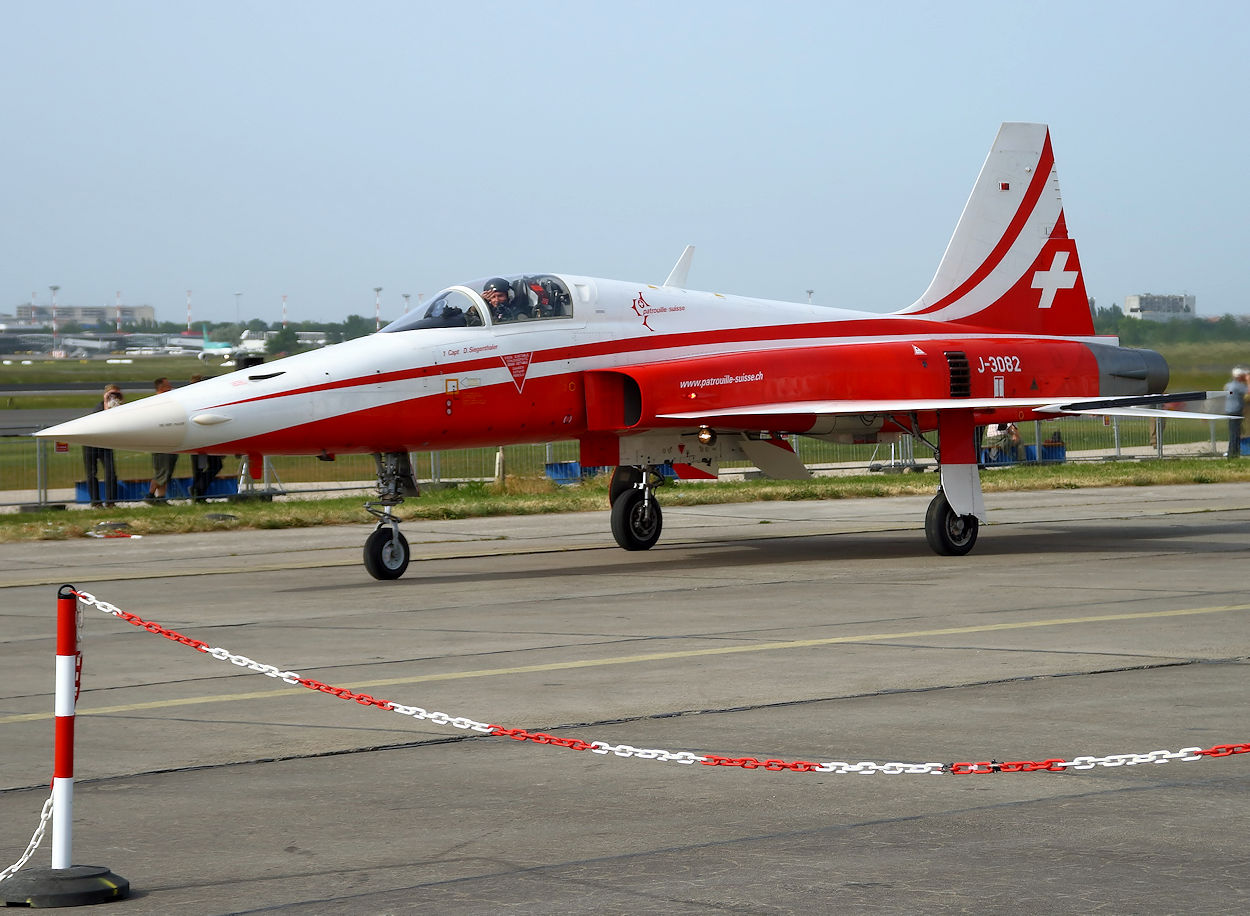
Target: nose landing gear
(386, 550)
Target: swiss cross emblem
(1053, 280)
(518, 364)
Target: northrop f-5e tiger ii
(649, 378)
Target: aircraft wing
(1134, 406)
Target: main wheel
(386, 556)
(949, 535)
(636, 522)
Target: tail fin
(1010, 265)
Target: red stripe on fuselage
(884, 327)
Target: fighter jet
(661, 380)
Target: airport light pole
(406, 296)
(237, 319)
(377, 307)
(54, 289)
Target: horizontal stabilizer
(1141, 400)
(1141, 412)
(1146, 405)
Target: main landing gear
(386, 550)
(636, 516)
(949, 535)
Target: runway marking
(640, 659)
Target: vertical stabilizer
(1010, 264)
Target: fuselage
(646, 352)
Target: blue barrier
(566, 472)
(133, 491)
(1050, 453)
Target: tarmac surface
(1085, 623)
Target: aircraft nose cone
(156, 424)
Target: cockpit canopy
(501, 300)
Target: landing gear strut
(949, 535)
(386, 550)
(636, 516)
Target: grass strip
(533, 496)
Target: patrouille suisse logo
(518, 364)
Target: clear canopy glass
(501, 299)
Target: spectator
(204, 471)
(1234, 407)
(1004, 440)
(162, 464)
(93, 458)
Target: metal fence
(37, 472)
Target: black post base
(78, 885)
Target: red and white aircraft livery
(650, 376)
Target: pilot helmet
(498, 284)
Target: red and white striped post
(64, 884)
(63, 706)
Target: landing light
(706, 435)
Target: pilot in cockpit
(497, 293)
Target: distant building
(1160, 308)
(86, 315)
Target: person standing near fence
(1004, 441)
(1234, 406)
(95, 458)
(162, 464)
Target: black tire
(949, 535)
(386, 557)
(636, 524)
(623, 480)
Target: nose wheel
(386, 553)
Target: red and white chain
(863, 768)
(44, 817)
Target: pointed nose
(155, 424)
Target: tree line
(229, 331)
(1133, 332)
(1138, 332)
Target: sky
(318, 150)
